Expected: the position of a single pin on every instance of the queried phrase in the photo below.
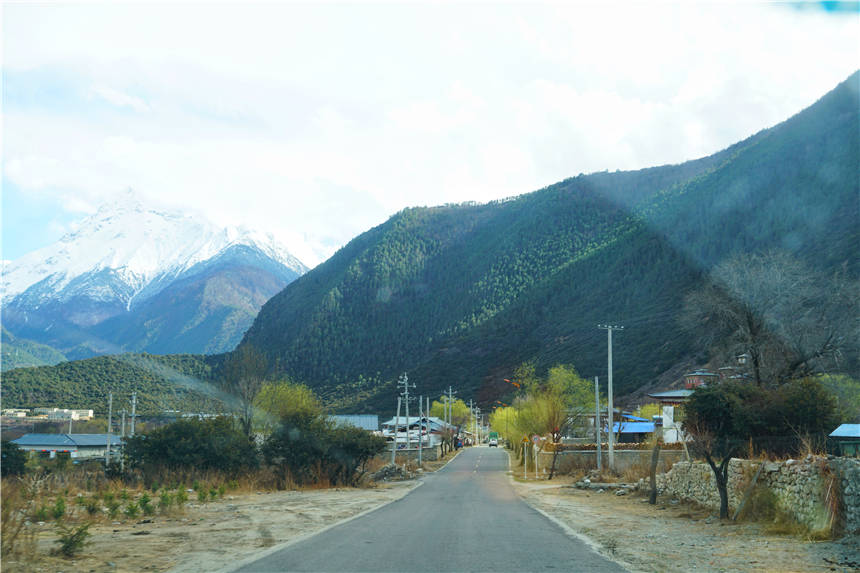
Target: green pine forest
(463, 294)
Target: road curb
(571, 532)
(266, 552)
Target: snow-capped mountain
(116, 268)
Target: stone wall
(624, 460)
(802, 487)
(428, 454)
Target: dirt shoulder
(209, 536)
(675, 537)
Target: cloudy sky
(318, 121)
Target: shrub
(201, 495)
(93, 506)
(181, 497)
(12, 459)
(41, 514)
(131, 510)
(113, 508)
(72, 540)
(212, 444)
(164, 500)
(145, 504)
(309, 449)
(59, 508)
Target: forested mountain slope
(461, 294)
(178, 383)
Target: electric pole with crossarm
(609, 328)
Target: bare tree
(243, 375)
(788, 320)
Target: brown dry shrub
(18, 498)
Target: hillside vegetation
(180, 383)
(461, 294)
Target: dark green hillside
(20, 352)
(462, 294)
(177, 382)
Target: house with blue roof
(846, 438)
(76, 445)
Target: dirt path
(208, 536)
(673, 537)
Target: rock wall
(804, 489)
(624, 459)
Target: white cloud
(317, 122)
(120, 99)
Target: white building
(673, 413)
(63, 413)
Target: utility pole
(404, 381)
(597, 422)
(133, 406)
(428, 421)
(420, 431)
(122, 433)
(110, 414)
(396, 425)
(609, 328)
(472, 413)
(70, 423)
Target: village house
(672, 403)
(76, 445)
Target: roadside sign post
(536, 441)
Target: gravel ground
(675, 537)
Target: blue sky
(318, 121)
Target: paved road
(466, 517)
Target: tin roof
(846, 431)
(634, 427)
(672, 394)
(66, 440)
(368, 422)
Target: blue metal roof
(368, 422)
(66, 440)
(846, 431)
(634, 427)
(672, 394)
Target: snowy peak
(126, 248)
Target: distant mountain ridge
(134, 278)
(463, 294)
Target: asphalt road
(465, 517)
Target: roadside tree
(789, 320)
(242, 376)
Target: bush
(196, 444)
(59, 508)
(72, 540)
(309, 449)
(145, 504)
(131, 511)
(12, 459)
(164, 501)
